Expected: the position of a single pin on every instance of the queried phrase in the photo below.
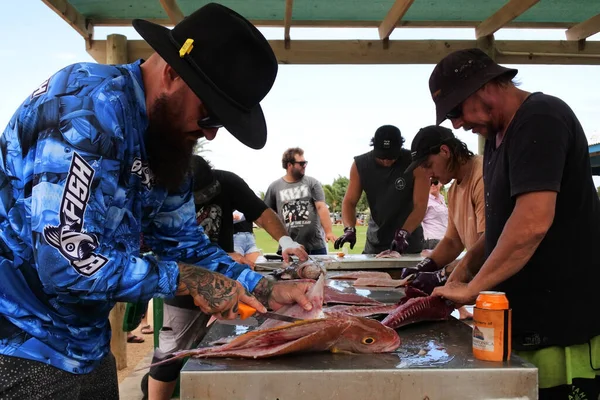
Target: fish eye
(368, 340)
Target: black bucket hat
(427, 142)
(459, 75)
(387, 142)
(225, 60)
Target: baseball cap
(387, 142)
(427, 141)
(459, 75)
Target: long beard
(169, 150)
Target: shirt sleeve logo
(69, 237)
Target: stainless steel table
(354, 262)
(434, 361)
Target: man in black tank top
(397, 201)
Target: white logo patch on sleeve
(69, 237)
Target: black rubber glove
(426, 265)
(427, 281)
(349, 236)
(400, 242)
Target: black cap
(427, 142)
(459, 75)
(387, 142)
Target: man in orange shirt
(445, 158)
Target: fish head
(365, 335)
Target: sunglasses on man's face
(455, 113)
(301, 163)
(210, 122)
(435, 183)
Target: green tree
(261, 194)
(362, 204)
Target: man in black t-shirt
(542, 211)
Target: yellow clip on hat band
(186, 48)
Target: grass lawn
(268, 245)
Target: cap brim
(414, 165)
(249, 127)
(447, 104)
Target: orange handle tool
(244, 311)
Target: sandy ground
(135, 353)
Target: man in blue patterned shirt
(99, 155)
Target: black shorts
(21, 378)
(583, 389)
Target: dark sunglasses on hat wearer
(226, 61)
(458, 76)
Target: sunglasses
(210, 122)
(455, 113)
(301, 163)
(435, 182)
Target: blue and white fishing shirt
(75, 195)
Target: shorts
(571, 372)
(244, 243)
(182, 329)
(27, 379)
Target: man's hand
(289, 247)
(400, 242)
(214, 293)
(427, 281)
(425, 265)
(349, 236)
(330, 237)
(240, 259)
(278, 294)
(459, 293)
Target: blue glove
(426, 265)
(400, 242)
(348, 236)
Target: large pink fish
(343, 334)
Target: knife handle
(245, 311)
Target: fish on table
(361, 274)
(417, 306)
(309, 269)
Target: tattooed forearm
(262, 291)
(210, 290)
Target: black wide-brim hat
(230, 66)
(460, 74)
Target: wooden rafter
(585, 29)
(356, 24)
(510, 11)
(172, 10)
(67, 12)
(401, 51)
(395, 14)
(287, 19)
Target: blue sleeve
(175, 235)
(72, 144)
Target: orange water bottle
(491, 327)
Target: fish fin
(52, 235)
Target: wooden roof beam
(584, 29)
(67, 12)
(287, 21)
(172, 10)
(503, 16)
(326, 52)
(392, 18)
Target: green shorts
(574, 370)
